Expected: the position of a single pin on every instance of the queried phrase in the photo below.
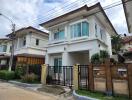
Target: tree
(116, 42)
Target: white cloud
(34, 12)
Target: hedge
(7, 75)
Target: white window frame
(76, 22)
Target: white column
(46, 58)
(18, 41)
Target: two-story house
(30, 46)
(75, 36)
(5, 48)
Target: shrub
(95, 58)
(20, 71)
(103, 55)
(7, 75)
(29, 78)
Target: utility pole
(12, 37)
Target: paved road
(11, 92)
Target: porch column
(130, 79)
(44, 74)
(46, 58)
(65, 59)
(75, 77)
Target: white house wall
(72, 49)
(31, 47)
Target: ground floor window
(3, 62)
(58, 64)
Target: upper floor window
(37, 41)
(102, 34)
(79, 29)
(24, 41)
(96, 30)
(3, 48)
(59, 35)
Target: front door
(58, 65)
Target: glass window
(24, 41)
(59, 35)
(3, 62)
(101, 33)
(37, 41)
(79, 29)
(96, 31)
(3, 48)
(85, 29)
(57, 65)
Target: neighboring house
(75, 36)
(127, 5)
(127, 44)
(5, 48)
(30, 46)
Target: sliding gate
(60, 75)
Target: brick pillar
(91, 77)
(109, 88)
(130, 79)
(75, 77)
(44, 74)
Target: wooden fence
(113, 79)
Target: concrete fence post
(75, 77)
(129, 69)
(109, 88)
(91, 78)
(44, 74)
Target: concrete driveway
(12, 92)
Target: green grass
(100, 96)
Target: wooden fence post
(109, 88)
(44, 74)
(75, 77)
(91, 77)
(130, 79)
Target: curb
(80, 97)
(25, 84)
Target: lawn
(100, 96)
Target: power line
(65, 8)
(105, 8)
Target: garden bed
(100, 96)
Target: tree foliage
(116, 42)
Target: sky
(34, 12)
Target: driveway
(11, 92)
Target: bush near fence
(22, 69)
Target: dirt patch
(56, 90)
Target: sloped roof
(78, 12)
(29, 27)
(127, 39)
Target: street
(11, 92)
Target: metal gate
(83, 77)
(60, 75)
